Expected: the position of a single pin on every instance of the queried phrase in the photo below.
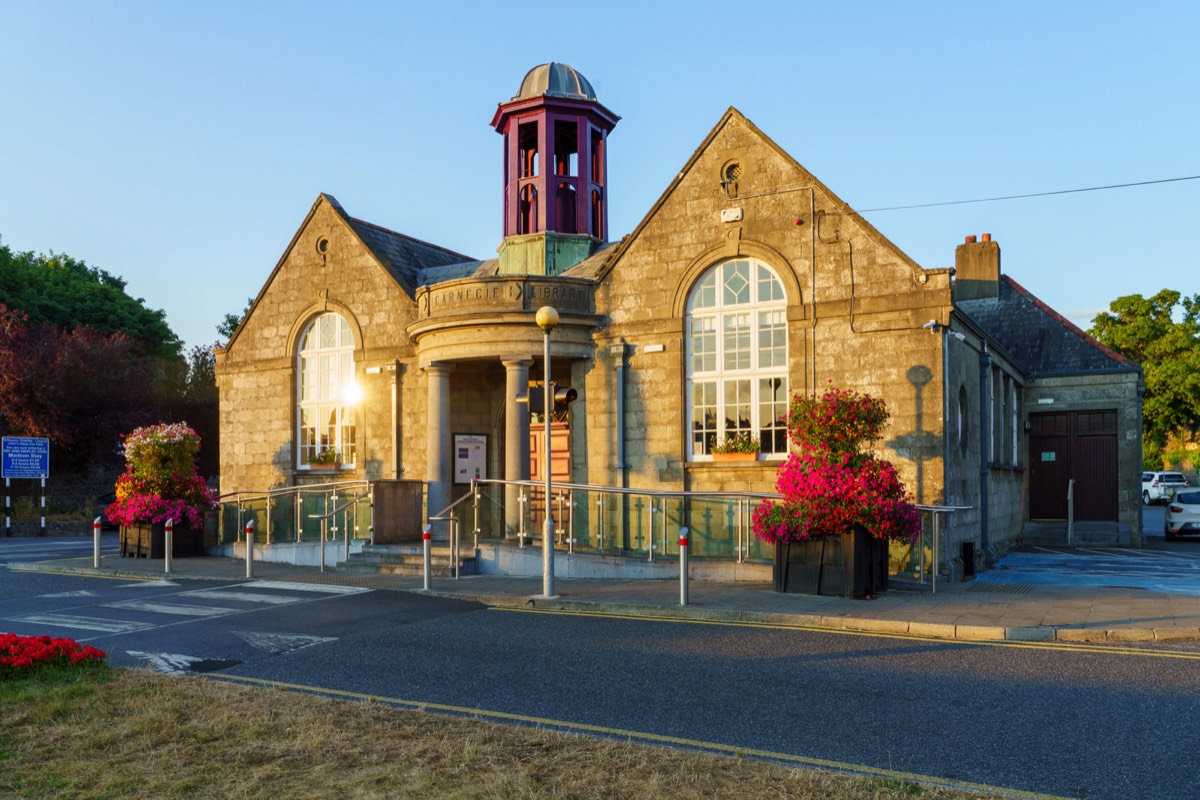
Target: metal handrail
(445, 515)
(345, 528)
(261, 493)
(620, 490)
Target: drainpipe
(812, 286)
(946, 443)
(985, 437)
(617, 351)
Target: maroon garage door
(1073, 444)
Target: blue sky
(180, 144)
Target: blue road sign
(25, 457)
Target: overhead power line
(1033, 194)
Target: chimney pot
(970, 240)
(987, 237)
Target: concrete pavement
(997, 606)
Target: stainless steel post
(650, 541)
(456, 537)
(96, 543)
(324, 533)
(571, 524)
(168, 544)
(475, 503)
(521, 529)
(250, 549)
(600, 523)
(683, 566)
(426, 536)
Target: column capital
(516, 362)
(438, 368)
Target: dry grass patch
(136, 734)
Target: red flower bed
(23, 654)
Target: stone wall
(256, 373)
(863, 332)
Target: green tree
(65, 292)
(1162, 334)
(81, 389)
(231, 322)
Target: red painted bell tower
(555, 171)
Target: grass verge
(136, 734)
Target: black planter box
(852, 564)
(148, 541)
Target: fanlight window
(327, 390)
(737, 357)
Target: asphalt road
(1095, 722)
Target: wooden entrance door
(1079, 445)
(560, 472)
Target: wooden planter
(148, 541)
(728, 457)
(852, 564)
(324, 466)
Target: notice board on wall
(470, 457)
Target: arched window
(327, 391)
(737, 357)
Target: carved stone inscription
(492, 296)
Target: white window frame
(742, 359)
(326, 391)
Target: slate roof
(1041, 340)
(593, 265)
(452, 272)
(403, 256)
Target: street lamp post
(547, 319)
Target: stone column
(438, 464)
(516, 437)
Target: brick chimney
(977, 269)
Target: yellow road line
(1075, 647)
(656, 738)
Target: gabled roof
(403, 256)
(732, 115)
(1042, 341)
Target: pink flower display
(830, 484)
(160, 481)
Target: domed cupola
(556, 80)
(555, 171)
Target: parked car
(1157, 487)
(1183, 514)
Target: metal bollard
(426, 536)
(683, 566)
(96, 543)
(250, 549)
(168, 545)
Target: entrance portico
(466, 324)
